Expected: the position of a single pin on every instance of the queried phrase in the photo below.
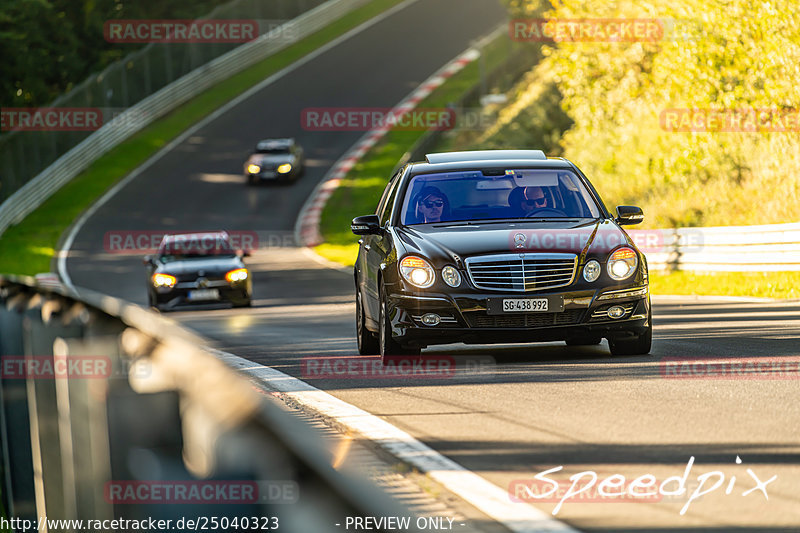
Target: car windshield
(472, 195)
(274, 150)
(195, 247)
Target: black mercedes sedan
(197, 268)
(275, 160)
(498, 246)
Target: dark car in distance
(197, 268)
(498, 246)
(275, 160)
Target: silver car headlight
(417, 271)
(451, 276)
(622, 263)
(591, 271)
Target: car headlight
(253, 169)
(622, 263)
(451, 276)
(284, 168)
(164, 280)
(239, 274)
(417, 271)
(591, 271)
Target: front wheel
(389, 348)
(638, 345)
(367, 343)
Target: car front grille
(479, 319)
(521, 272)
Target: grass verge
(29, 247)
(360, 191)
(758, 284)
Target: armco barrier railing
(112, 412)
(773, 247)
(31, 195)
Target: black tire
(637, 345)
(584, 341)
(246, 303)
(251, 181)
(389, 348)
(367, 342)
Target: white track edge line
(63, 253)
(490, 499)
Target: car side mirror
(242, 253)
(147, 260)
(629, 215)
(366, 225)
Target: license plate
(545, 304)
(526, 305)
(204, 294)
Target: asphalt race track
(525, 409)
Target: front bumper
(182, 294)
(466, 318)
(270, 175)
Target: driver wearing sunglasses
(431, 204)
(526, 200)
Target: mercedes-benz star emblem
(519, 240)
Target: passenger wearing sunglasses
(525, 200)
(431, 205)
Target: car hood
(442, 243)
(216, 266)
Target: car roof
(484, 155)
(488, 159)
(196, 235)
(267, 144)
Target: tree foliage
(724, 54)
(48, 46)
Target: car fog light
(431, 319)
(615, 312)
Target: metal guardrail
(37, 190)
(772, 247)
(137, 403)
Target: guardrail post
(49, 476)
(17, 482)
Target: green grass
(360, 191)
(759, 284)
(28, 248)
